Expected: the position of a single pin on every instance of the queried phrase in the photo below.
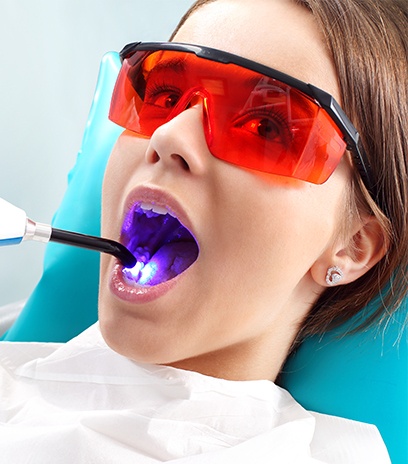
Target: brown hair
(368, 41)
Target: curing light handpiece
(16, 227)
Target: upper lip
(157, 196)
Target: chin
(139, 340)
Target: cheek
(274, 230)
(117, 167)
(123, 162)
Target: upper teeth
(155, 208)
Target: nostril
(155, 157)
(181, 161)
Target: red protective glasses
(253, 116)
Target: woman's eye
(162, 96)
(267, 128)
(166, 100)
(264, 127)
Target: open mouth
(163, 247)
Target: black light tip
(125, 256)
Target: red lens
(251, 120)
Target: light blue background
(50, 52)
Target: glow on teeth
(155, 209)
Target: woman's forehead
(278, 33)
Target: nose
(180, 143)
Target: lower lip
(137, 294)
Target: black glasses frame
(322, 98)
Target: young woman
(269, 245)
(258, 214)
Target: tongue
(168, 262)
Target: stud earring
(334, 275)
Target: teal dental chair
(362, 376)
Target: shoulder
(343, 441)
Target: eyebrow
(295, 96)
(176, 65)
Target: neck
(250, 360)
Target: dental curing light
(16, 227)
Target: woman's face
(259, 235)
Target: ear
(366, 245)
